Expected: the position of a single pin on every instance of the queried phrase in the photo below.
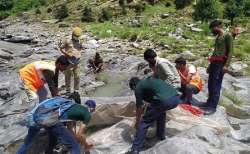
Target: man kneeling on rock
(191, 82)
(50, 114)
(161, 97)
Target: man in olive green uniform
(219, 63)
(71, 48)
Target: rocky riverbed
(227, 131)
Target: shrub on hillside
(181, 4)
(140, 7)
(87, 15)
(61, 12)
(246, 10)
(6, 4)
(38, 11)
(233, 9)
(3, 15)
(106, 15)
(206, 10)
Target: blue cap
(90, 103)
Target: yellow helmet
(77, 31)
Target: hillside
(172, 31)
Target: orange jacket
(195, 80)
(32, 75)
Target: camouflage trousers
(75, 71)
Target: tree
(6, 4)
(106, 15)
(62, 12)
(233, 9)
(181, 4)
(246, 8)
(87, 15)
(206, 10)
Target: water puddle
(114, 84)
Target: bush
(6, 5)
(233, 9)
(181, 4)
(140, 7)
(87, 15)
(106, 15)
(206, 10)
(42, 2)
(38, 11)
(61, 12)
(246, 10)
(168, 4)
(49, 10)
(3, 15)
(122, 3)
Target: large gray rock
(199, 140)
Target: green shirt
(79, 113)
(153, 91)
(223, 44)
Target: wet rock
(135, 45)
(187, 54)
(12, 134)
(199, 140)
(19, 39)
(237, 68)
(5, 54)
(243, 134)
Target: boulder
(199, 140)
(19, 39)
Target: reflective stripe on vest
(32, 76)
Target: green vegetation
(61, 12)
(87, 15)
(6, 4)
(181, 4)
(233, 9)
(206, 10)
(143, 20)
(14, 7)
(106, 15)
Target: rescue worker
(66, 109)
(71, 48)
(191, 82)
(161, 97)
(96, 63)
(34, 76)
(162, 68)
(219, 63)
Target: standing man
(71, 48)
(161, 97)
(51, 113)
(36, 74)
(219, 63)
(191, 82)
(162, 68)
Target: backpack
(49, 112)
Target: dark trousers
(154, 112)
(214, 84)
(59, 131)
(187, 92)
